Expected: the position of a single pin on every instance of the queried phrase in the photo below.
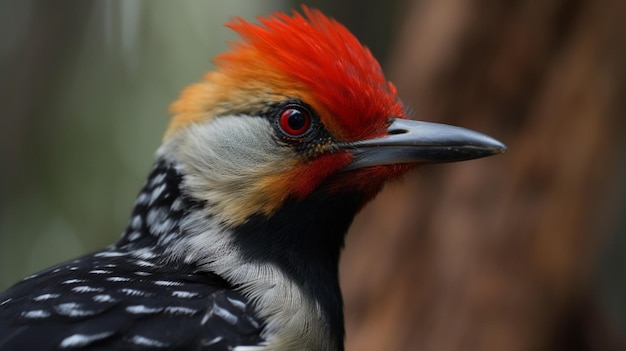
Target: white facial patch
(225, 159)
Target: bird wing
(106, 301)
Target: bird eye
(294, 121)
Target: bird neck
(298, 248)
(310, 235)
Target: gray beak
(421, 142)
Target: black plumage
(129, 296)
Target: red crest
(322, 55)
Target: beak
(410, 141)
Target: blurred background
(524, 251)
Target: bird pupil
(296, 120)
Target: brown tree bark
(498, 254)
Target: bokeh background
(524, 251)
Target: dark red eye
(294, 121)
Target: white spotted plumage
(93, 287)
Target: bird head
(299, 105)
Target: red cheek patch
(307, 177)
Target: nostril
(398, 131)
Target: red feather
(322, 56)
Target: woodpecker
(235, 237)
